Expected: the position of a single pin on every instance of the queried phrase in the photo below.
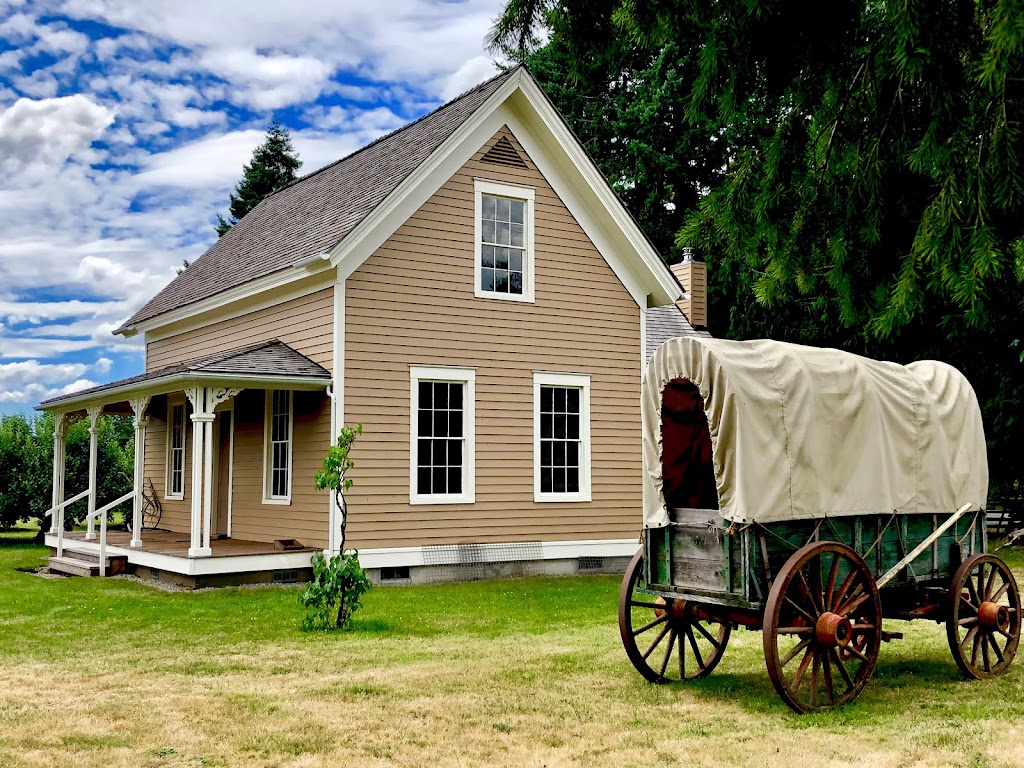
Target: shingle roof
(664, 323)
(315, 213)
(266, 359)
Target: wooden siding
(412, 303)
(304, 323)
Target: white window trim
(481, 188)
(268, 410)
(582, 382)
(466, 376)
(169, 457)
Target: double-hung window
(175, 482)
(277, 464)
(504, 241)
(442, 436)
(561, 417)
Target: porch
(195, 475)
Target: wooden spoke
(654, 659)
(983, 643)
(807, 584)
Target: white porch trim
(93, 413)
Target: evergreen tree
(273, 165)
(858, 165)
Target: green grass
(518, 672)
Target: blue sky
(125, 123)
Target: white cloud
(474, 71)
(49, 131)
(269, 82)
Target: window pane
(423, 480)
(454, 423)
(560, 400)
(455, 480)
(559, 425)
(487, 229)
(423, 453)
(547, 428)
(545, 480)
(440, 423)
(489, 206)
(572, 427)
(518, 211)
(545, 453)
(516, 235)
(503, 235)
(572, 480)
(503, 209)
(515, 259)
(438, 480)
(546, 399)
(426, 394)
(455, 396)
(572, 454)
(501, 258)
(515, 282)
(425, 423)
(501, 280)
(486, 279)
(558, 478)
(487, 255)
(454, 453)
(440, 394)
(440, 453)
(572, 400)
(558, 458)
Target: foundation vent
(286, 577)
(395, 573)
(587, 563)
(503, 153)
(473, 562)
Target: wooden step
(115, 563)
(74, 567)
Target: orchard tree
(273, 165)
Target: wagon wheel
(983, 627)
(822, 627)
(667, 640)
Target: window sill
(278, 502)
(443, 499)
(173, 497)
(525, 297)
(543, 498)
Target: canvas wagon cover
(803, 432)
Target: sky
(124, 124)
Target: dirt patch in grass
(521, 673)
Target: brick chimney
(693, 275)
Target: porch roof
(269, 363)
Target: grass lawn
(523, 673)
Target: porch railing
(101, 513)
(59, 511)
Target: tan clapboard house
(471, 291)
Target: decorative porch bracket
(139, 405)
(93, 412)
(204, 402)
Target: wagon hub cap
(994, 616)
(676, 608)
(833, 630)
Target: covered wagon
(810, 493)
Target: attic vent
(503, 153)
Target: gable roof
(266, 360)
(315, 214)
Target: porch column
(200, 417)
(94, 420)
(139, 405)
(59, 463)
(214, 397)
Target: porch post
(214, 397)
(197, 396)
(139, 405)
(59, 462)
(94, 419)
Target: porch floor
(174, 544)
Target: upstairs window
(277, 481)
(504, 241)
(175, 484)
